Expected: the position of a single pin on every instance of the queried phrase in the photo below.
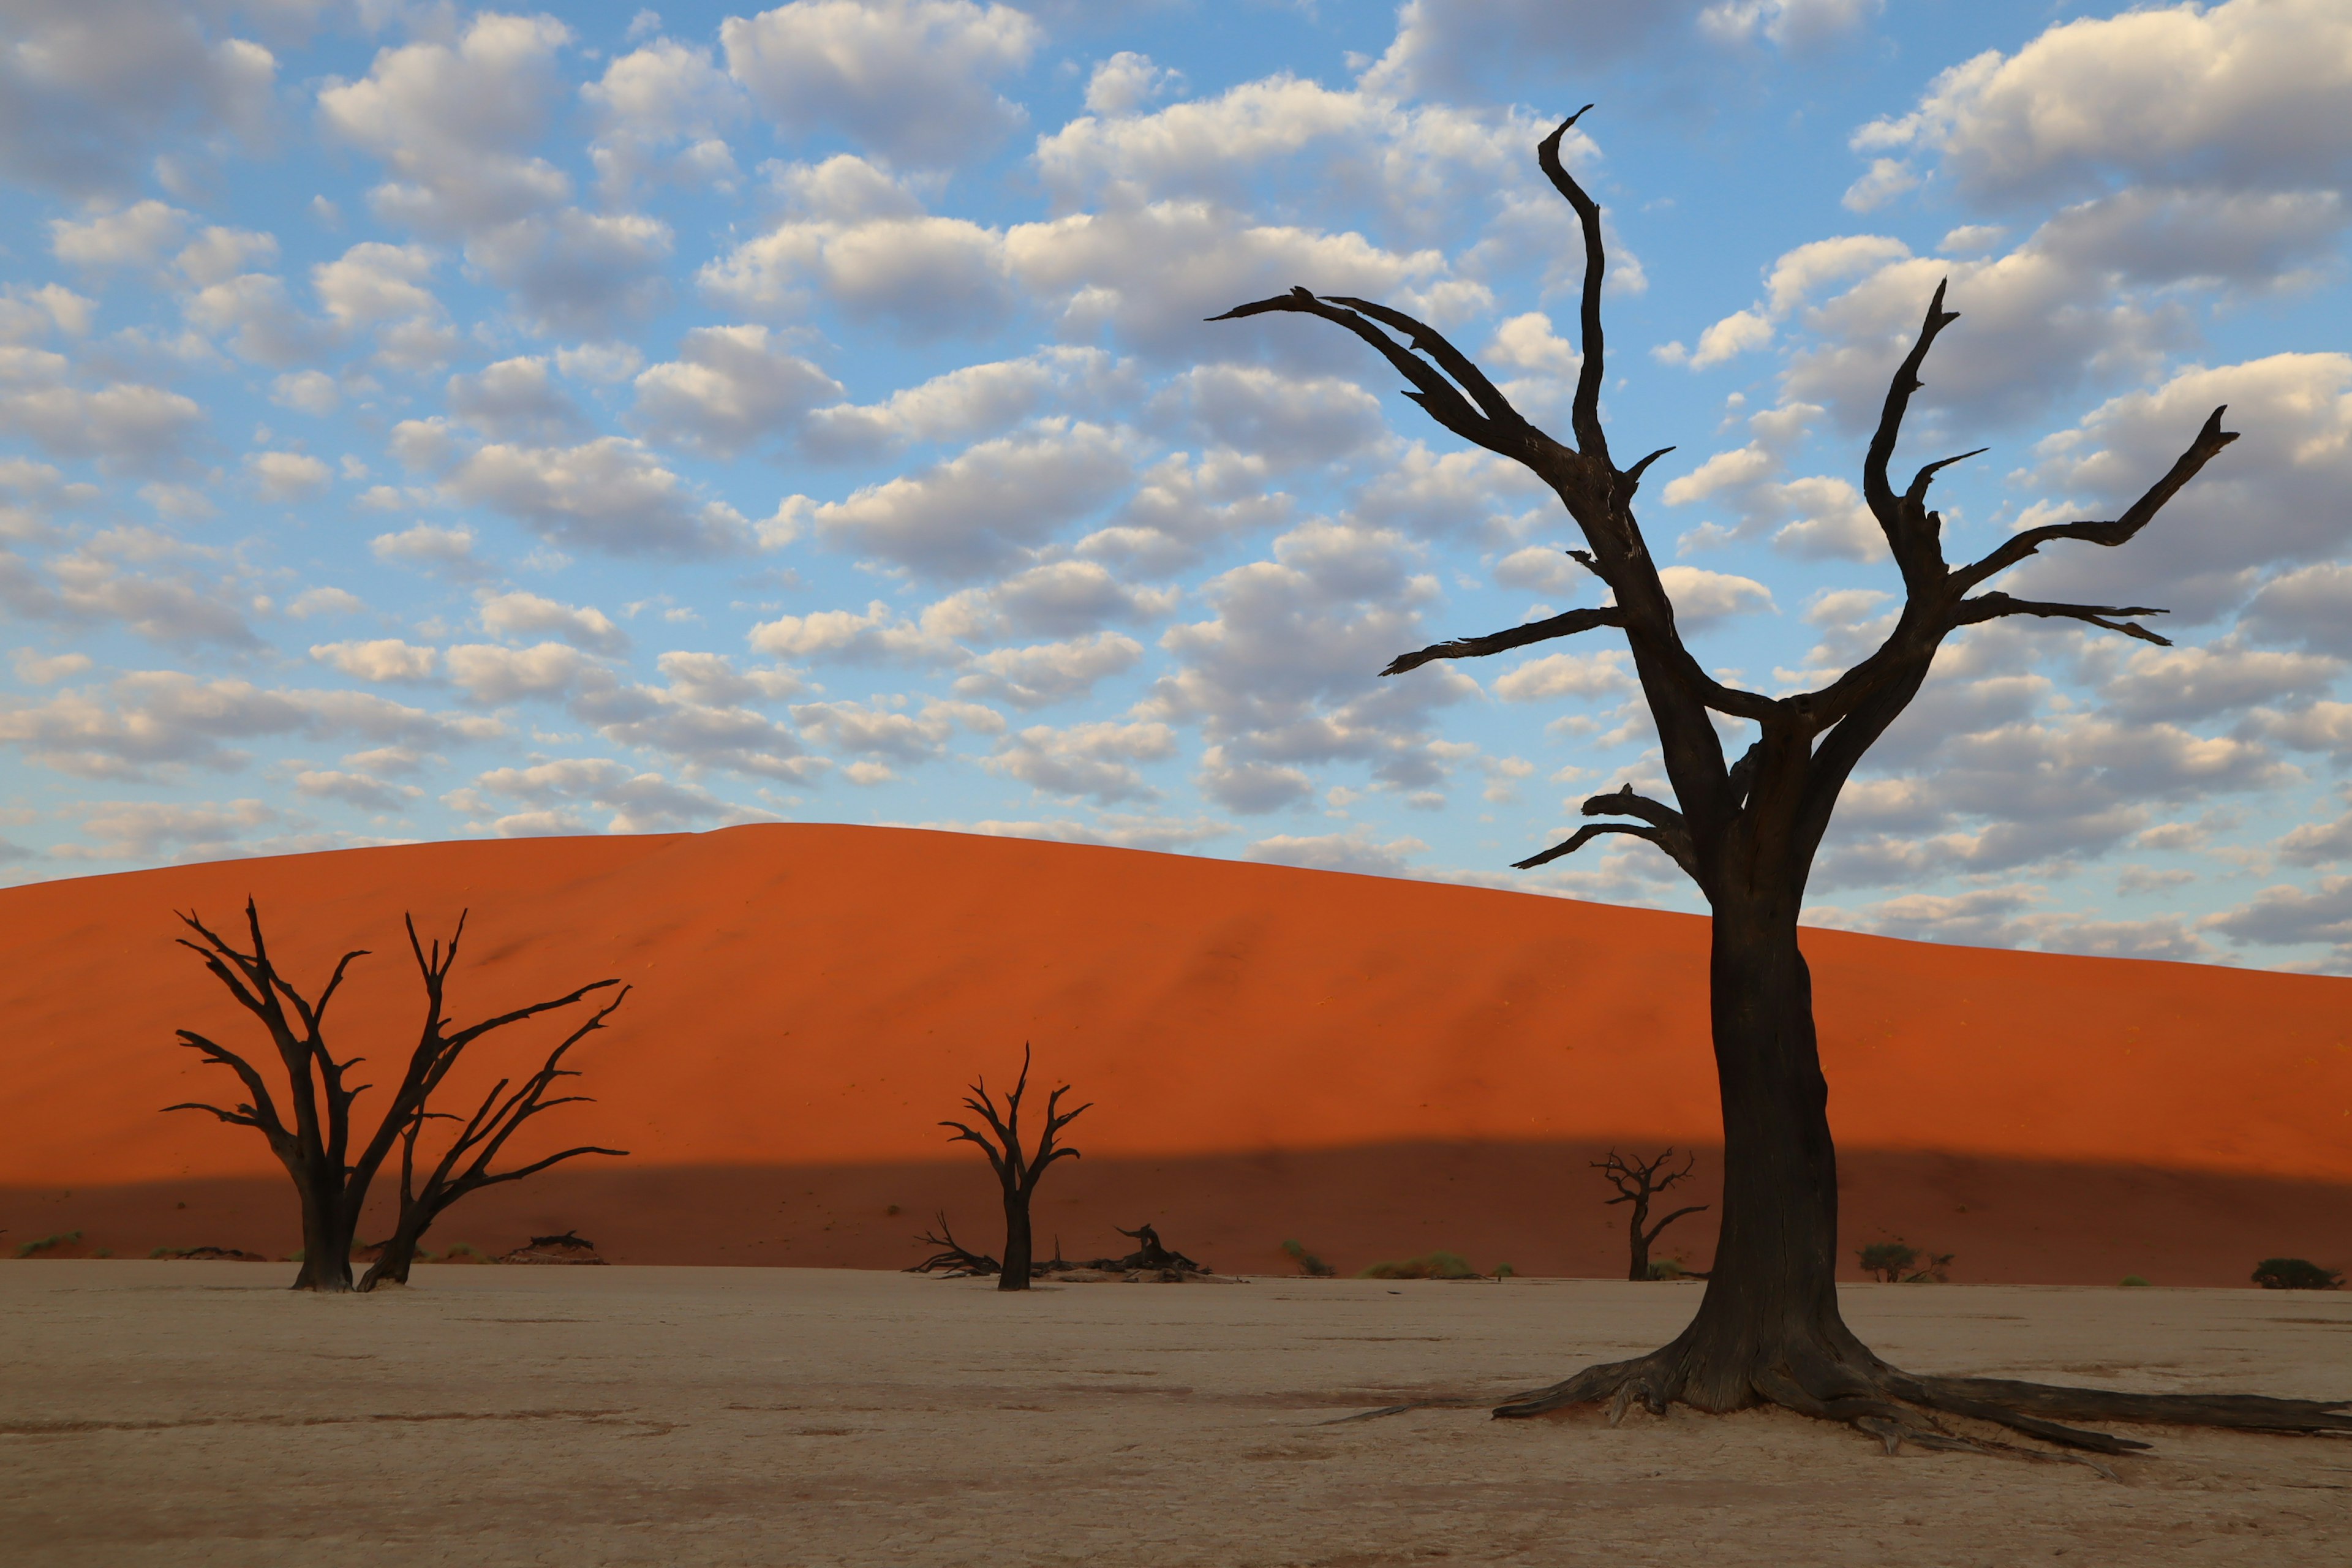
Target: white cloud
(514, 400)
(530, 615)
(1093, 759)
(287, 477)
(449, 550)
(1701, 598)
(87, 91)
(978, 510)
(906, 78)
(609, 493)
(2247, 91)
(729, 389)
(1127, 81)
(134, 236)
(493, 675)
(1046, 673)
(1355, 850)
(385, 659)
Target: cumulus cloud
(86, 93)
(981, 510)
(910, 79)
(447, 551)
(965, 403)
(1090, 760)
(515, 400)
(2247, 91)
(149, 724)
(287, 476)
(729, 389)
(1043, 674)
(608, 494)
(1280, 676)
(530, 615)
(1357, 850)
(385, 658)
(554, 795)
(2272, 498)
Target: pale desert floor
(182, 1414)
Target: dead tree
(1637, 1182)
(464, 1166)
(1746, 831)
(953, 1255)
(1017, 1172)
(330, 1177)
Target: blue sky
(418, 422)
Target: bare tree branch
(1993, 607)
(1585, 416)
(2209, 440)
(1561, 625)
(1917, 550)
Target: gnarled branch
(1993, 607)
(2209, 440)
(1585, 414)
(1560, 626)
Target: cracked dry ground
(198, 1413)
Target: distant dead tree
(1637, 1182)
(1017, 1172)
(1746, 831)
(331, 1179)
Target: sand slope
(1374, 1066)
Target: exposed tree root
(1899, 1407)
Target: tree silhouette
(331, 1179)
(1768, 1329)
(1637, 1182)
(1017, 1172)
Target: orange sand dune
(1374, 1066)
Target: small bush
(2133, 1279)
(2290, 1274)
(1898, 1262)
(62, 1238)
(1428, 1266)
(1504, 1271)
(103, 1252)
(1666, 1269)
(465, 1252)
(1309, 1264)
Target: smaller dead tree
(1017, 1172)
(464, 1166)
(313, 1137)
(1637, 1182)
(953, 1255)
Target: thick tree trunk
(326, 1235)
(1771, 1303)
(1016, 1242)
(392, 1264)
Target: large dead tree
(1638, 1181)
(312, 1138)
(1017, 1172)
(1746, 831)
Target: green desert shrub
(1666, 1269)
(1504, 1271)
(2295, 1274)
(2133, 1279)
(1428, 1266)
(1309, 1264)
(62, 1238)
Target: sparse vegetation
(1309, 1264)
(2132, 1279)
(1637, 1182)
(48, 1244)
(1898, 1263)
(1428, 1266)
(2295, 1274)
